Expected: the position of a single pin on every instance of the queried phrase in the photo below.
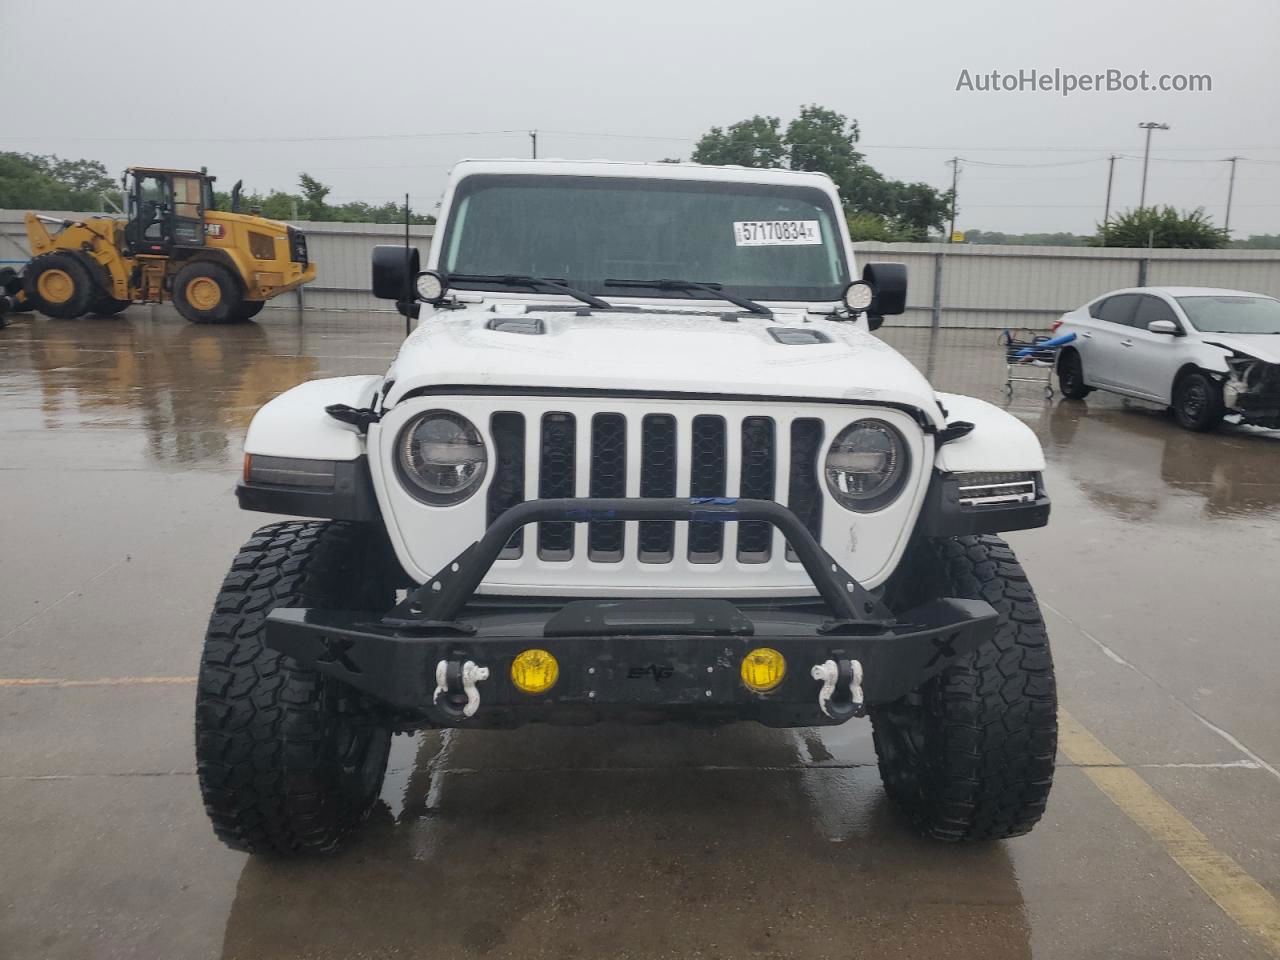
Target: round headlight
(429, 286)
(866, 465)
(441, 457)
(858, 296)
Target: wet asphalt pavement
(119, 450)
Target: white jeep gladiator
(641, 459)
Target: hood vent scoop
(528, 326)
(798, 336)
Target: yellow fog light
(535, 671)
(763, 669)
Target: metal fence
(998, 287)
(951, 286)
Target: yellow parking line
(98, 682)
(1243, 899)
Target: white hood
(690, 351)
(1263, 346)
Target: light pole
(1146, 157)
(1106, 210)
(1231, 189)
(955, 174)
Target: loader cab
(165, 209)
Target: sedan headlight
(866, 466)
(441, 457)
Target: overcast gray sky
(237, 86)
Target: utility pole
(1146, 156)
(533, 136)
(955, 173)
(1231, 189)
(1106, 210)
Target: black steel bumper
(633, 660)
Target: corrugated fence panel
(981, 286)
(1252, 274)
(341, 252)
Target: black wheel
(289, 761)
(1071, 376)
(59, 285)
(108, 306)
(969, 756)
(1197, 402)
(250, 309)
(207, 292)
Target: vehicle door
(1148, 361)
(150, 227)
(1100, 344)
(188, 211)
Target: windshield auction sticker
(776, 233)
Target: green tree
(313, 192)
(33, 182)
(1259, 241)
(311, 205)
(824, 141)
(1027, 239)
(869, 226)
(1162, 227)
(747, 143)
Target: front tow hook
(841, 694)
(456, 693)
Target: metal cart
(1028, 358)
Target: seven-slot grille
(704, 449)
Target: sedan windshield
(1232, 314)
(761, 241)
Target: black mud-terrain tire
(59, 285)
(109, 306)
(1197, 402)
(289, 761)
(970, 755)
(1071, 376)
(206, 292)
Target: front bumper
(632, 660)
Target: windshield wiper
(538, 283)
(693, 286)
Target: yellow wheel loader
(216, 267)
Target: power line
(316, 139)
(604, 135)
(1059, 163)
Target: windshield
(763, 241)
(1232, 314)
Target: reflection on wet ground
(611, 842)
(119, 444)
(1130, 459)
(189, 390)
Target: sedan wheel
(1197, 402)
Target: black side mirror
(395, 268)
(889, 281)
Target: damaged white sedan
(1206, 353)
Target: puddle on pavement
(669, 841)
